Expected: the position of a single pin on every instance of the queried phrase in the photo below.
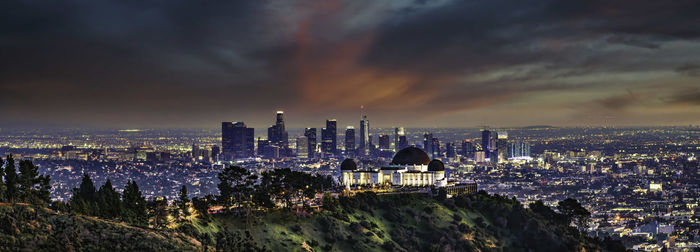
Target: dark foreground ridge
(364, 222)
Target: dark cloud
(188, 63)
(689, 69)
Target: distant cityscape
(639, 183)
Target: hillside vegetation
(364, 222)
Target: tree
(3, 189)
(329, 202)
(134, 205)
(108, 201)
(158, 212)
(84, 197)
(201, 205)
(182, 204)
(33, 188)
(236, 186)
(573, 211)
(10, 179)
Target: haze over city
(409, 63)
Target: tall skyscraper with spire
(364, 136)
(277, 134)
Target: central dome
(411, 156)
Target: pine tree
(134, 205)
(2, 182)
(83, 200)
(183, 202)
(10, 179)
(28, 177)
(108, 201)
(158, 212)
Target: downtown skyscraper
(329, 134)
(277, 134)
(310, 134)
(364, 136)
(350, 141)
(237, 140)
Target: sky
(461, 63)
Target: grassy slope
(26, 227)
(365, 223)
(393, 223)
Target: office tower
(451, 151)
(435, 147)
(262, 144)
(195, 151)
(350, 141)
(502, 145)
(403, 142)
(215, 151)
(398, 132)
(237, 140)
(277, 134)
(329, 138)
(467, 148)
(384, 142)
(428, 143)
(364, 136)
(302, 147)
(486, 143)
(310, 134)
(518, 150)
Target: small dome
(411, 156)
(348, 165)
(436, 165)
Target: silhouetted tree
(573, 211)
(84, 197)
(134, 205)
(3, 187)
(108, 201)
(10, 179)
(201, 205)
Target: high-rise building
(350, 141)
(215, 151)
(384, 142)
(310, 134)
(451, 151)
(302, 147)
(486, 143)
(467, 148)
(277, 134)
(435, 148)
(428, 143)
(398, 132)
(403, 142)
(502, 145)
(518, 150)
(237, 140)
(329, 138)
(364, 136)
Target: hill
(364, 222)
(30, 228)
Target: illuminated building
(364, 136)
(302, 147)
(277, 134)
(310, 134)
(409, 167)
(237, 140)
(428, 142)
(502, 146)
(398, 133)
(467, 148)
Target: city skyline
(409, 63)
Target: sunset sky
(459, 63)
